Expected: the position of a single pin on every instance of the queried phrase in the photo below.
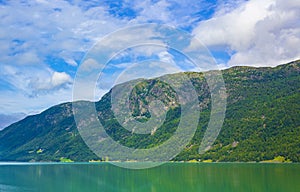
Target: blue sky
(43, 42)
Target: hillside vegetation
(262, 121)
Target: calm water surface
(188, 177)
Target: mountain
(262, 121)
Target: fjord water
(208, 177)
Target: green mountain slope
(262, 121)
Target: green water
(187, 177)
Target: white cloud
(32, 80)
(58, 78)
(259, 33)
(234, 28)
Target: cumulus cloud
(258, 33)
(58, 78)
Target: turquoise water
(210, 177)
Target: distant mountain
(262, 121)
(8, 119)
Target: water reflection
(169, 177)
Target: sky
(43, 43)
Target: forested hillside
(262, 121)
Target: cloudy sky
(42, 42)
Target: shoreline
(131, 162)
